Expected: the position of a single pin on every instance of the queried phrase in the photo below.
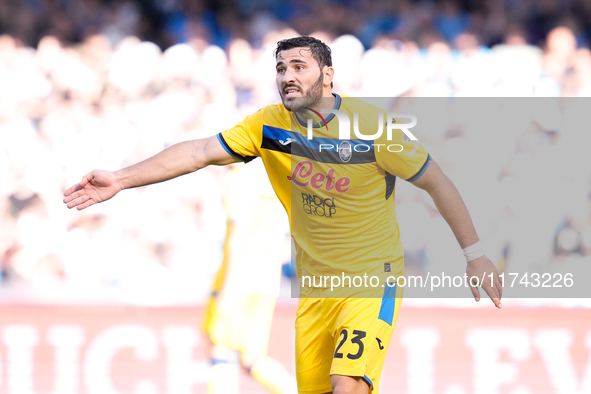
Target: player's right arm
(176, 160)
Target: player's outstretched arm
(454, 211)
(178, 159)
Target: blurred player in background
(240, 311)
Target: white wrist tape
(473, 252)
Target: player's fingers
(86, 178)
(494, 296)
(86, 204)
(76, 198)
(475, 292)
(78, 201)
(500, 287)
(73, 189)
(74, 195)
(497, 302)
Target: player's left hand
(482, 267)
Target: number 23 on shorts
(356, 339)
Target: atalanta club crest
(345, 151)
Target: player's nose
(288, 76)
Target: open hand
(95, 187)
(482, 267)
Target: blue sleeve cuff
(227, 148)
(421, 171)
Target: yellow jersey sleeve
(401, 156)
(244, 140)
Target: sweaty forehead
(301, 53)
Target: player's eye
(299, 67)
(280, 70)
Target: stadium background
(102, 84)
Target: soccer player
(341, 208)
(240, 311)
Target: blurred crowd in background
(168, 22)
(103, 84)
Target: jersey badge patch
(345, 151)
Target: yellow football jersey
(339, 193)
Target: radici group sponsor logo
(318, 206)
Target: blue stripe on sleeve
(421, 171)
(227, 148)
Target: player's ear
(328, 73)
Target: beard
(310, 97)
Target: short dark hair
(320, 51)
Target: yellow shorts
(343, 336)
(245, 328)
